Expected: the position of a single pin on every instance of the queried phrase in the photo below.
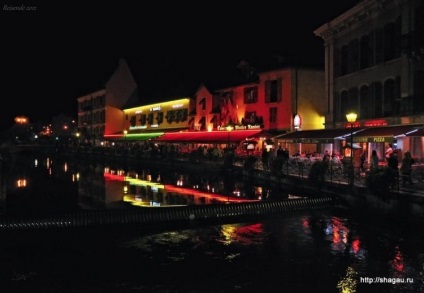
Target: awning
(133, 137)
(384, 133)
(208, 136)
(317, 135)
(419, 132)
(264, 134)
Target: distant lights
(21, 119)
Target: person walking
(374, 160)
(406, 169)
(362, 167)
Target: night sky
(61, 51)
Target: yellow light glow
(348, 283)
(21, 183)
(351, 117)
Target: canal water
(331, 250)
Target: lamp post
(351, 118)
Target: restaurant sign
(373, 139)
(240, 127)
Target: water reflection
(47, 185)
(305, 253)
(331, 251)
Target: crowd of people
(403, 172)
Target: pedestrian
(389, 151)
(406, 169)
(392, 163)
(362, 167)
(374, 160)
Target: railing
(164, 215)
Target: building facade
(101, 113)
(374, 66)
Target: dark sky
(61, 51)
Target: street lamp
(351, 118)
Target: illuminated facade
(374, 65)
(164, 116)
(100, 112)
(269, 103)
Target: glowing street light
(351, 118)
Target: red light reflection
(398, 261)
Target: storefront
(190, 140)
(316, 141)
(416, 144)
(379, 139)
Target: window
(377, 92)
(202, 103)
(366, 52)
(133, 121)
(170, 116)
(251, 95)
(159, 117)
(390, 95)
(273, 114)
(353, 56)
(250, 117)
(353, 100)
(379, 46)
(150, 118)
(392, 40)
(273, 89)
(143, 119)
(366, 103)
(344, 61)
(414, 104)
